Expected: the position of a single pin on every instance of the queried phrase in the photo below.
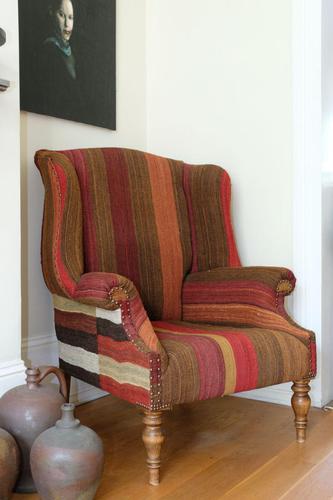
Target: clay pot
(26, 411)
(67, 460)
(9, 464)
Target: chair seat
(208, 361)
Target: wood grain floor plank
(223, 448)
(318, 483)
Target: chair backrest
(148, 218)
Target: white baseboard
(278, 394)
(11, 375)
(43, 350)
(82, 392)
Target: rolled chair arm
(112, 292)
(246, 297)
(264, 287)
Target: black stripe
(80, 373)
(109, 329)
(77, 338)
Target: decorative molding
(11, 374)
(43, 350)
(307, 217)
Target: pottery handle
(60, 376)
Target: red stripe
(313, 357)
(126, 245)
(207, 353)
(67, 281)
(128, 392)
(226, 199)
(247, 369)
(242, 291)
(122, 352)
(138, 313)
(77, 157)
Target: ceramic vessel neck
(32, 377)
(68, 420)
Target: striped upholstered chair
(151, 302)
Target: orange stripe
(167, 225)
(241, 314)
(147, 334)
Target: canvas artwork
(67, 59)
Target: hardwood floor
(229, 448)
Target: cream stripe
(79, 357)
(229, 362)
(125, 373)
(68, 305)
(114, 316)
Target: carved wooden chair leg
(68, 383)
(153, 439)
(301, 403)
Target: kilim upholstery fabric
(151, 302)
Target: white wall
(232, 83)
(10, 256)
(327, 84)
(47, 132)
(220, 90)
(207, 83)
(327, 189)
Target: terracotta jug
(9, 464)
(67, 460)
(27, 410)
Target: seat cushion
(208, 361)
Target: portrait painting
(68, 59)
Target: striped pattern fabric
(207, 361)
(245, 297)
(208, 192)
(106, 339)
(134, 219)
(259, 286)
(150, 301)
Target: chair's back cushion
(137, 215)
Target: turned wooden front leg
(153, 438)
(301, 403)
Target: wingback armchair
(151, 301)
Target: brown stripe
(271, 276)
(98, 183)
(176, 169)
(181, 380)
(151, 285)
(75, 321)
(126, 246)
(281, 357)
(205, 183)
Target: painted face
(64, 20)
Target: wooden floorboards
(229, 448)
